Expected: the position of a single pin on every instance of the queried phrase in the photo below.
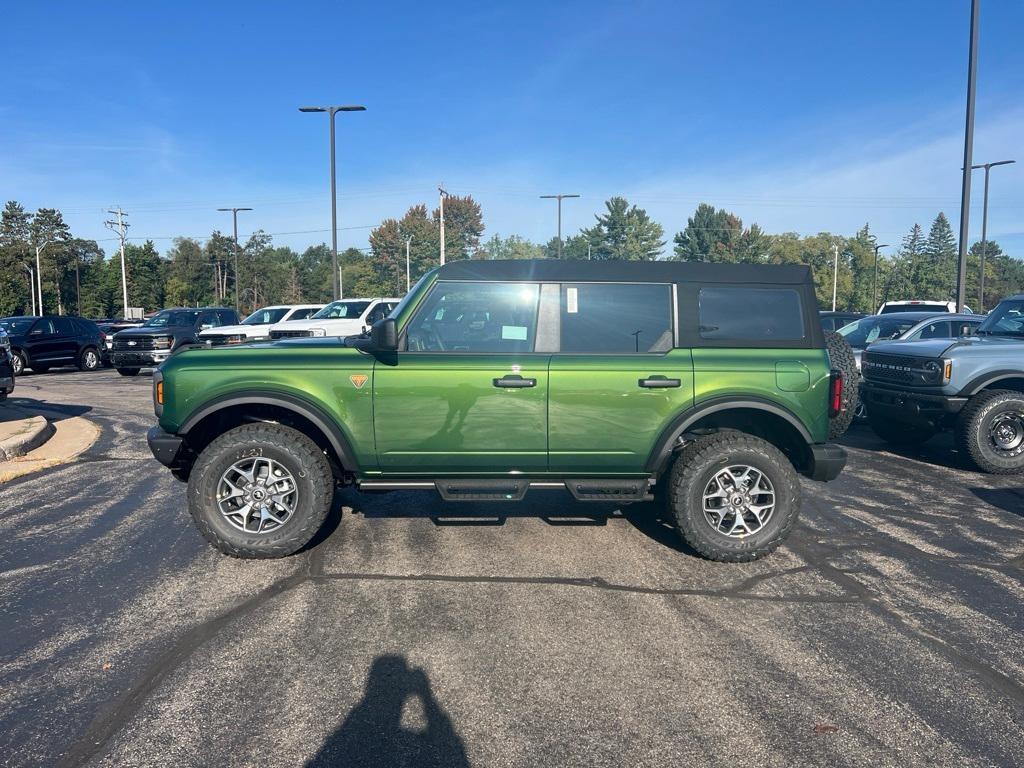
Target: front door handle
(514, 381)
(659, 382)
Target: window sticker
(572, 301)
(513, 332)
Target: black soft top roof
(562, 270)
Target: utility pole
(31, 285)
(78, 284)
(332, 111)
(835, 274)
(234, 221)
(408, 243)
(984, 231)
(965, 190)
(442, 194)
(120, 227)
(39, 275)
(559, 198)
(874, 280)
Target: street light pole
(559, 198)
(234, 221)
(984, 230)
(39, 275)
(408, 242)
(31, 285)
(965, 190)
(874, 280)
(835, 275)
(332, 111)
(442, 194)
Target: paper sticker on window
(571, 301)
(513, 332)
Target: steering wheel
(428, 340)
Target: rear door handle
(659, 382)
(514, 381)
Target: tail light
(835, 393)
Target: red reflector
(836, 395)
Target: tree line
(78, 277)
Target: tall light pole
(120, 226)
(234, 221)
(408, 243)
(31, 285)
(965, 190)
(39, 275)
(835, 274)
(559, 198)
(984, 230)
(442, 194)
(874, 280)
(332, 111)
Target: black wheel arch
(1003, 379)
(255, 405)
(793, 439)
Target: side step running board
(638, 489)
(610, 490)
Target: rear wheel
(18, 363)
(841, 357)
(129, 371)
(898, 433)
(260, 491)
(89, 360)
(990, 430)
(735, 497)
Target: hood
(334, 326)
(927, 348)
(169, 330)
(230, 330)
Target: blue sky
(801, 116)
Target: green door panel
(437, 413)
(601, 420)
(792, 376)
(747, 373)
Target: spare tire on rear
(841, 356)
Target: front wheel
(18, 363)
(89, 360)
(990, 430)
(260, 491)
(129, 371)
(735, 497)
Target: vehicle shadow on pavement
(388, 728)
(1007, 499)
(940, 451)
(52, 411)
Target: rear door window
(616, 318)
(63, 326)
(42, 327)
(740, 313)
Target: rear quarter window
(740, 313)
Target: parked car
(916, 305)
(973, 386)
(154, 341)
(833, 321)
(107, 330)
(346, 317)
(42, 343)
(492, 379)
(256, 327)
(907, 326)
(6, 366)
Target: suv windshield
(340, 309)
(172, 318)
(876, 328)
(265, 316)
(17, 325)
(1007, 319)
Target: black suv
(42, 343)
(153, 341)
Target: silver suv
(973, 385)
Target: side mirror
(384, 335)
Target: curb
(30, 433)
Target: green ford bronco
(706, 386)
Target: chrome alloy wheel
(1007, 433)
(739, 501)
(18, 364)
(91, 360)
(257, 495)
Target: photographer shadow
(372, 734)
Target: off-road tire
(898, 433)
(87, 363)
(19, 363)
(972, 431)
(841, 356)
(287, 446)
(694, 468)
(129, 371)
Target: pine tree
(625, 232)
(937, 280)
(15, 255)
(901, 281)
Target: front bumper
(6, 384)
(139, 359)
(168, 449)
(924, 409)
(827, 461)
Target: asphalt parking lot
(886, 632)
